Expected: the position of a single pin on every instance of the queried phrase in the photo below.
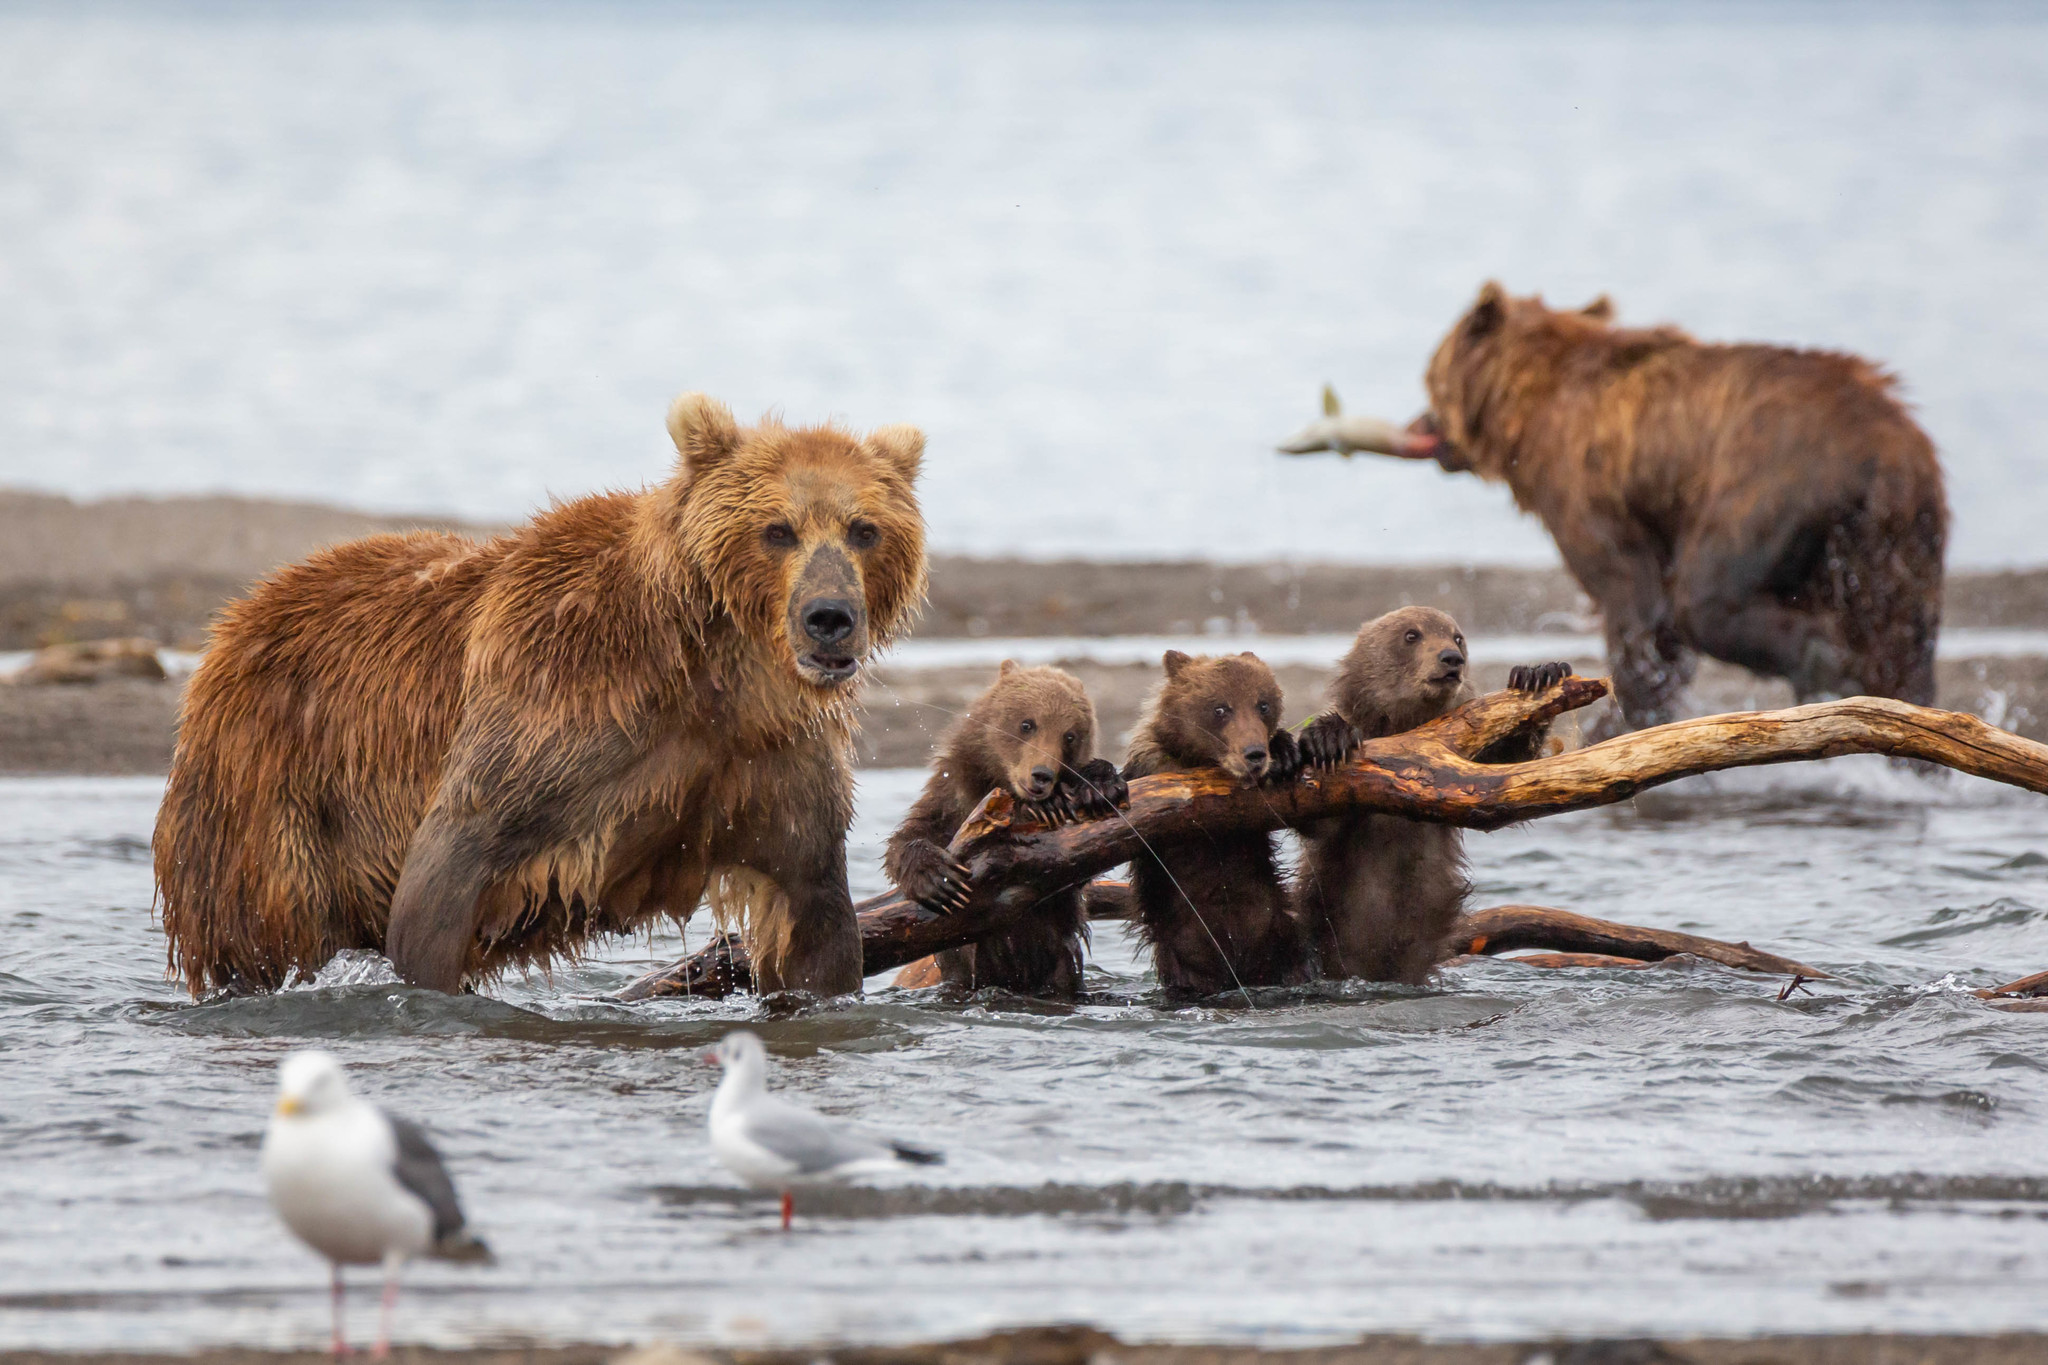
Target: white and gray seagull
(772, 1144)
(356, 1185)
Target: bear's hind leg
(1760, 606)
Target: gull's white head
(310, 1083)
(739, 1050)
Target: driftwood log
(1428, 773)
(1510, 928)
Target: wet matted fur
(1771, 507)
(475, 756)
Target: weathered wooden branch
(1428, 773)
(2037, 984)
(1509, 928)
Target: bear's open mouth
(830, 668)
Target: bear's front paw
(1328, 740)
(933, 877)
(1537, 677)
(1095, 788)
(1283, 758)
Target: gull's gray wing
(809, 1141)
(419, 1169)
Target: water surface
(446, 256)
(1512, 1153)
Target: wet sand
(160, 568)
(1084, 1346)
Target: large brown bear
(1214, 910)
(1377, 894)
(1775, 508)
(478, 756)
(1031, 734)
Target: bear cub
(1377, 894)
(1031, 734)
(1215, 912)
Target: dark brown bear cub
(1030, 734)
(1377, 894)
(1215, 912)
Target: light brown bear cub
(1215, 913)
(1377, 894)
(1032, 734)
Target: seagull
(357, 1185)
(772, 1144)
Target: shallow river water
(1514, 1152)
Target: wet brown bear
(1772, 507)
(1214, 910)
(1377, 894)
(478, 755)
(1032, 734)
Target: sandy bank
(1083, 1346)
(127, 727)
(159, 568)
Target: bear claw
(1327, 741)
(1537, 677)
(1095, 788)
(934, 878)
(1283, 758)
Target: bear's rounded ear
(1008, 667)
(1600, 309)
(902, 446)
(1488, 310)
(1175, 661)
(703, 430)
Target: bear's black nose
(1041, 777)
(1451, 658)
(1255, 755)
(829, 620)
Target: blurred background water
(458, 257)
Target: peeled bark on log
(2037, 984)
(1427, 773)
(1509, 928)
(1555, 960)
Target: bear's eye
(1029, 727)
(1265, 709)
(863, 534)
(1068, 739)
(1413, 636)
(780, 535)
(1222, 712)
(1458, 640)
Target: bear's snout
(1041, 783)
(828, 628)
(1255, 761)
(828, 620)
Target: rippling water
(1515, 1152)
(456, 256)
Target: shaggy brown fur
(477, 756)
(1775, 508)
(1376, 894)
(1031, 734)
(1214, 911)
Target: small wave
(1714, 1197)
(1958, 922)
